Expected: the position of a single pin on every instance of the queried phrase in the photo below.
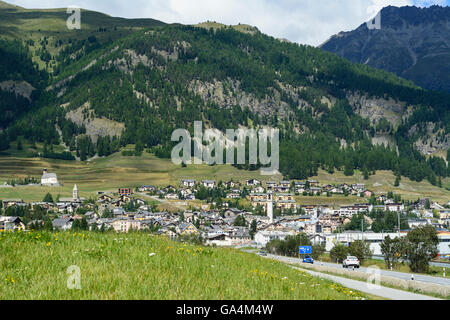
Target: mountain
(106, 86)
(5, 5)
(413, 43)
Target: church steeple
(75, 193)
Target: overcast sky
(304, 21)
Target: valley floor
(110, 173)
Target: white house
(375, 239)
(264, 237)
(125, 225)
(253, 182)
(414, 223)
(172, 196)
(258, 189)
(188, 183)
(63, 223)
(444, 243)
(210, 184)
(395, 207)
(49, 179)
(11, 223)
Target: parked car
(262, 253)
(351, 262)
(308, 259)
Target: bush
(393, 250)
(48, 198)
(422, 248)
(339, 253)
(317, 251)
(361, 250)
(128, 153)
(288, 247)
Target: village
(271, 212)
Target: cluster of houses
(217, 227)
(281, 193)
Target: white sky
(304, 21)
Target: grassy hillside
(50, 24)
(107, 174)
(383, 182)
(34, 266)
(110, 173)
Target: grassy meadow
(138, 266)
(35, 24)
(107, 174)
(383, 182)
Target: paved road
(401, 275)
(395, 274)
(384, 292)
(436, 264)
(380, 291)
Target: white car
(351, 262)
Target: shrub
(317, 251)
(361, 250)
(422, 248)
(339, 253)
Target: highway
(380, 291)
(395, 274)
(435, 264)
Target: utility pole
(398, 224)
(362, 228)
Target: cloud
(303, 21)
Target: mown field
(107, 174)
(141, 266)
(110, 173)
(383, 182)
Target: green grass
(107, 174)
(113, 266)
(333, 201)
(110, 173)
(35, 24)
(383, 182)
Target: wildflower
(152, 254)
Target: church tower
(75, 193)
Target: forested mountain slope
(413, 42)
(104, 92)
